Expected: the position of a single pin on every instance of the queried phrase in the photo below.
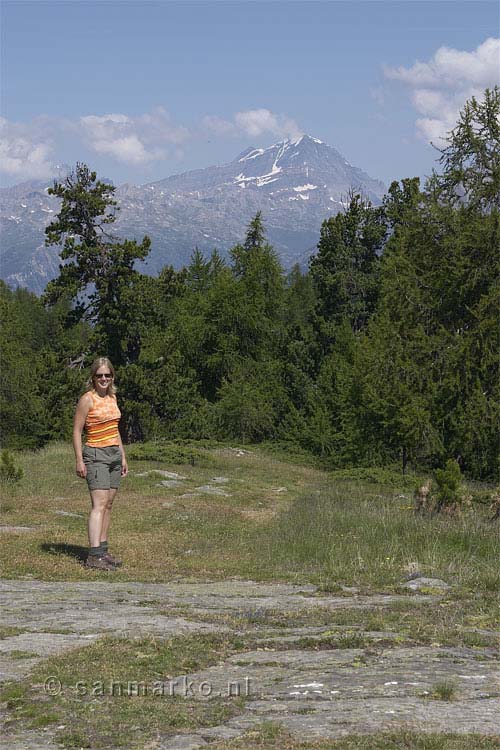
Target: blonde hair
(101, 362)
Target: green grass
(7, 631)
(19, 654)
(443, 691)
(281, 521)
(351, 533)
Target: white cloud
(441, 86)
(254, 122)
(219, 126)
(29, 150)
(24, 153)
(128, 149)
(133, 140)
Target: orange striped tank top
(102, 420)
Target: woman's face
(102, 379)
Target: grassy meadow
(277, 520)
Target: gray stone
(183, 742)
(220, 480)
(67, 513)
(415, 584)
(41, 645)
(170, 483)
(27, 739)
(167, 474)
(315, 692)
(220, 733)
(413, 576)
(209, 489)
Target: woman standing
(102, 461)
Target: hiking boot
(111, 560)
(98, 563)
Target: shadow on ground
(71, 550)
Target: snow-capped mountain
(296, 184)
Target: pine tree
(256, 266)
(345, 268)
(97, 274)
(198, 272)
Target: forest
(384, 351)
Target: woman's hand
(124, 467)
(81, 469)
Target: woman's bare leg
(107, 515)
(100, 500)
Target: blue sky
(142, 90)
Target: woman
(102, 461)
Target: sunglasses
(100, 375)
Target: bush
(389, 476)
(167, 452)
(448, 482)
(9, 472)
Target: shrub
(448, 482)
(388, 476)
(443, 691)
(167, 452)
(9, 472)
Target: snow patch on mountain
(253, 154)
(259, 180)
(301, 188)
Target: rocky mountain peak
(295, 184)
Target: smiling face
(102, 375)
(103, 379)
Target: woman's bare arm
(82, 409)
(124, 460)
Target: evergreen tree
(97, 274)
(345, 268)
(401, 201)
(252, 401)
(216, 264)
(198, 272)
(471, 159)
(430, 359)
(256, 266)
(23, 416)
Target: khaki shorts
(104, 467)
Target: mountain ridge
(296, 184)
